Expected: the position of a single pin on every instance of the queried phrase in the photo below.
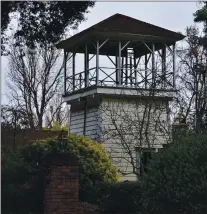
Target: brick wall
(15, 139)
(62, 186)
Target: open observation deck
(142, 56)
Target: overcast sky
(175, 16)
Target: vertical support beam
(153, 65)
(135, 70)
(73, 67)
(116, 62)
(164, 67)
(146, 72)
(131, 72)
(126, 79)
(119, 65)
(65, 66)
(86, 67)
(174, 62)
(97, 62)
(122, 72)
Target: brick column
(61, 184)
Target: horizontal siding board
(90, 119)
(74, 118)
(77, 126)
(91, 132)
(92, 127)
(76, 114)
(92, 123)
(78, 122)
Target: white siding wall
(128, 117)
(77, 122)
(125, 115)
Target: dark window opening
(144, 161)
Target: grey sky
(175, 16)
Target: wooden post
(153, 65)
(86, 68)
(131, 72)
(122, 72)
(146, 72)
(164, 67)
(65, 64)
(119, 65)
(97, 62)
(174, 68)
(73, 71)
(126, 80)
(135, 71)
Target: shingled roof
(121, 27)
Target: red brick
(63, 190)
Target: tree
(201, 16)
(13, 118)
(7, 7)
(34, 80)
(192, 76)
(56, 113)
(43, 22)
(176, 181)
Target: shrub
(17, 195)
(123, 197)
(177, 181)
(95, 165)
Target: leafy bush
(177, 181)
(95, 165)
(17, 194)
(123, 197)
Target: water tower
(141, 66)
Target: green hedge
(177, 181)
(122, 197)
(21, 191)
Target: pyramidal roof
(126, 24)
(121, 24)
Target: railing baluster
(77, 81)
(80, 81)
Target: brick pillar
(61, 184)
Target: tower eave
(119, 92)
